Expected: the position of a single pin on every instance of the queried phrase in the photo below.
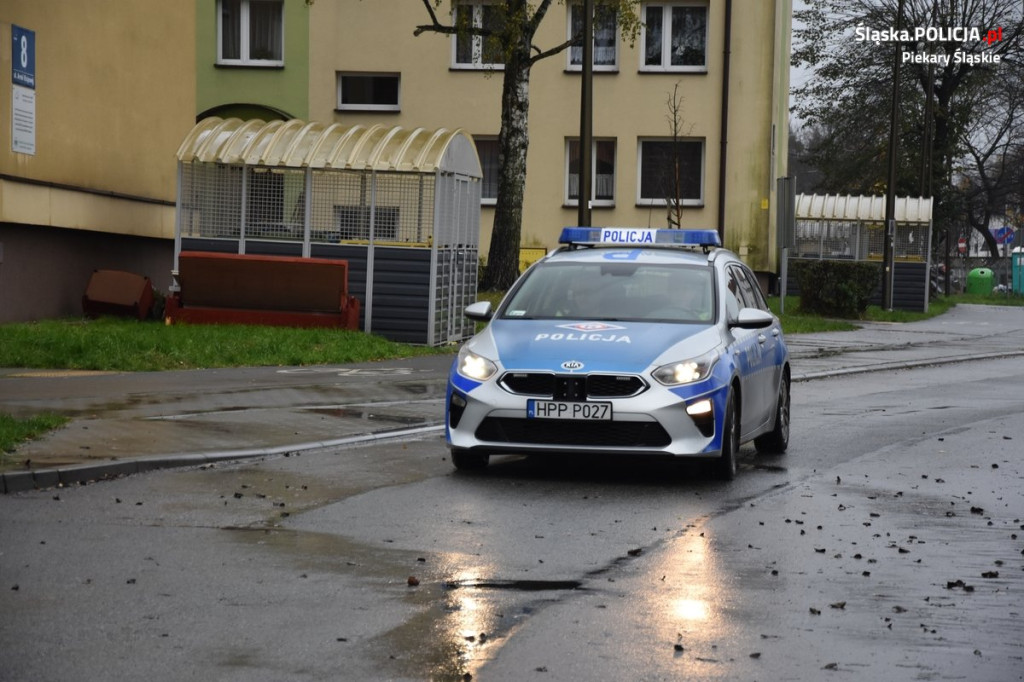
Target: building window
(250, 32)
(368, 91)
(670, 169)
(487, 151)
(675, 37)
(606, 38)
(473, 51)
(602, 165)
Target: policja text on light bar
(633, 236)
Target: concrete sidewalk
(127, 423)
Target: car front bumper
(487, 418)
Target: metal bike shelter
(402, 206)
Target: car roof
(701, 247)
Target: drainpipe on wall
(724, 126)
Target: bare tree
(510, 37)
(990, 178)
(958, 53)
(676, 179)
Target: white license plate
(556, 409)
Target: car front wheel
(776, 441)
(726, 465)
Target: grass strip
(111, 344)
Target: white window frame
(666, 38)
(569, 65)
(594, 202)
(487, 201)
(342, 106)
(243, 37)
(478, 48)
(663, 201)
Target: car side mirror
(479, 311)
(752, 318)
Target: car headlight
(687, 371)
(473, 366)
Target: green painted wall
(284, 89)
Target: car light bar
(637, 236)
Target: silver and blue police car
(624, 341)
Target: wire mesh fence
(256, 202)
(859, 240)
(311, 209)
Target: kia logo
(572, 365)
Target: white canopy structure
(401, 205)
(865, 208)
(838, 227)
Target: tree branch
(554, 50)
(435, 26)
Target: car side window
(733, 302)
(762, 302)
(750, 291)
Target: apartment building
(95, 98)
(87, 153)
(367, 66)
(724, 61)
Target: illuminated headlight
(476, 367)
(699, 408)
(688, 371)
(702, 412)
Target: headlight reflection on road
(693, 599)
(469, 622)
(691, 609)
(687, 567)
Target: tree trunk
(513, 141)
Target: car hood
(588, 346)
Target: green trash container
(1018, 270)
(979, 281)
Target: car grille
(573, 387)
(564, 432)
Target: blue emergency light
(638, 236)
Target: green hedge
(836, 288)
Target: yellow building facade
(87, 165)
(87, 158)
(367, 66)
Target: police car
(624, 341)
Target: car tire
(776, 441)
(725, 467)
(466, 460)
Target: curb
(21, 481)
(904, 364)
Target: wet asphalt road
(887, 544)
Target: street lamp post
(888, 263)
(586, 115)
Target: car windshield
(621, 291)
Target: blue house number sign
(23, 57)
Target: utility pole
(586, 115)
(889, 256)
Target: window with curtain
(675, 37)
(473, 51)
(251, 32)
(606, 57)
(602, 165)
(665, 165)
(487, 151)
